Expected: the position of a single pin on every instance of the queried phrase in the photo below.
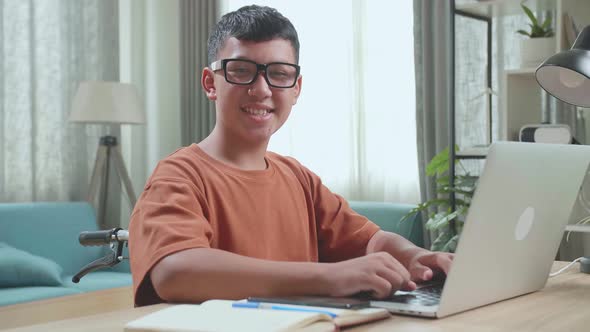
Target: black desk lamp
(566, 76)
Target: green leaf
(466, 192)
(522, 32)
(440, 241)
(462, 210)
(439, 163)
(537, 32)
(460, 202)
(423, 206)
(409, 214)
(435, 220)
(451, 244)
(466, 181)
(441, 202)
(443, 180)
(440, 220)
(530, 14)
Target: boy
(225, 218)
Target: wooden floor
(65, 307)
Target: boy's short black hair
(252, 23)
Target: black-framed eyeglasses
(245, 72)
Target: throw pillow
(19, 268)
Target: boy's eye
(278, 74)
(240, 70)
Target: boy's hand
(379, 273)
(424, 265)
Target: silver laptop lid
(515, 223)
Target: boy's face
(256, 111)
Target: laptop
(523, 200)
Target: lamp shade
(107, 102)
(566, 75)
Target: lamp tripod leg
(102, 207)
(120, 166)
(97, 172)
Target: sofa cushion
(19, 268)
(99, 280)
(16, 295)
(50, 230)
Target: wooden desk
(563, 305)
(65, 307)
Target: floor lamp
(566, 76)
(107, 103)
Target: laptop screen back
(523, 200)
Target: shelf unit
(521, 99)
(522, 96)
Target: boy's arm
(196, 275)
(421, 263)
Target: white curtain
(354, 124)
(46, 48)
(149, 32)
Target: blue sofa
(39, 249)
(39, 252)
(388, 216)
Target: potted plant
(540, 43)
(441, 218)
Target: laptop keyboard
(427, 295)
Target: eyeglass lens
(244, 72)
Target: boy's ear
(208, 84)
(297, 90)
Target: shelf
(578, 228)
(522, 71)
(496, 8)
(476, 152)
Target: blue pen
(259, 305)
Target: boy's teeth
(255, 111)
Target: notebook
(523, 200)
(220, 316)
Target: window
(354, 124)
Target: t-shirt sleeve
(170, 216)
(342, 233)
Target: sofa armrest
(388, 215)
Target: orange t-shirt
(282, 213)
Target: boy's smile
(258, 113)
(251, 112)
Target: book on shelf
(219, 316)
